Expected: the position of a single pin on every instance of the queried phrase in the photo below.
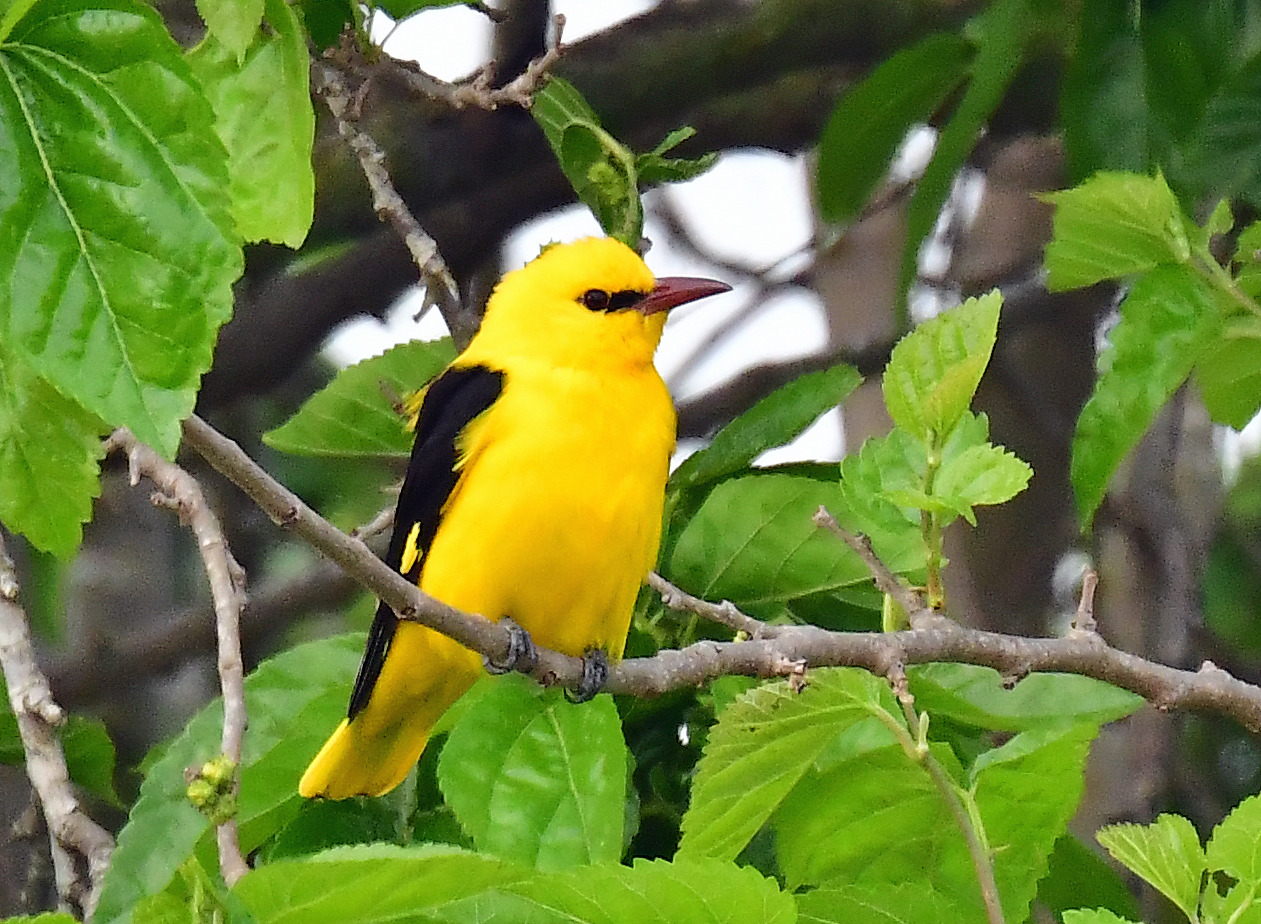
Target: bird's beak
(671, 291)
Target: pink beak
(671, 291)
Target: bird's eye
(596, 299)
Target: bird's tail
(424, 673)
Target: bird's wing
(453, 401)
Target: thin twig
(1085, 619)
(479, 91)
(180, 492)
(71, 832)
(1168, 688)
(886, 581)
(724, 613)
(440, 287)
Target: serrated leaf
(1093, 916)
(233, 24)
(114, 230)
(871, 120)
(934, 371)
(1248, 246)
(354, 415)
(1113, 225)
(1167, 321)
(292, 699)
(653, 170)
(908, 902)
(334, 887)
(1166, 853)
(537, 779)
(87, 747)
(761, 746)
(973, 695)
(51, 917)
(753, 542)
(1224, 153)
(1235, 845)
(1003, 30)
(262, 100)
(884, 467)
(49, 453)
(1229, 375)
(600, 169)
(981, 476)
(686, 891)
(877, 820)
(775, 420)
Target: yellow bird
(534, 492)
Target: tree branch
(179, 491)
(72, 833)
(1086, 653)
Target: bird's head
(592, 302)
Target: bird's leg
(595, 674)
(522, 654)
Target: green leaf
(1166, 853)
(761, 746)
(114, 229)
(232, 24)
(1224, 155)
(1113, 225)
(1233, 845)
(376, 883)
(49, 453)
(1229, 374)
(1003, 31)
(975, 696)
(1167, 321)
(537, 779)
(600, 169)
(86, 744)
(652, 168)
(50, 917)
(980, 476)
(686, 891)
(871, 120)
(1078, 876)
(293, 700)
(401, 9)
(262, 100)
(753, 542)
(326, 19)
(354, 415)
(934, 371)
(1094, 916)
(883, 466)
(901, 903)
(777, 419)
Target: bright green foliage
(777, 419)
(605, 174)
(293, 701)
(1078, 877)
(89, 752)
(262, 100)
(881, 903)
(1183, 313)
(49, 449)
(355, 414)
(871, 120)
(119, 302)
(760, 748)
(58, 917)
(232, 24)
(1166, 853)
(536, 779)
(752, 542)
(1167, 321)
(934, 372)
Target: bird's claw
(595, 674)
(522, 654)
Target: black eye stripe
(600, 300)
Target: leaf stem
(930, 528)
(1218, 276)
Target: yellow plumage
(560, 436)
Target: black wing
(454, 399)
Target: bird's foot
(522, 654)
(595, 674)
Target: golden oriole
(534, 492)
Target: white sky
(751, 209)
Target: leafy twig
(179, 491)
(71, 832)
(1168, 688)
